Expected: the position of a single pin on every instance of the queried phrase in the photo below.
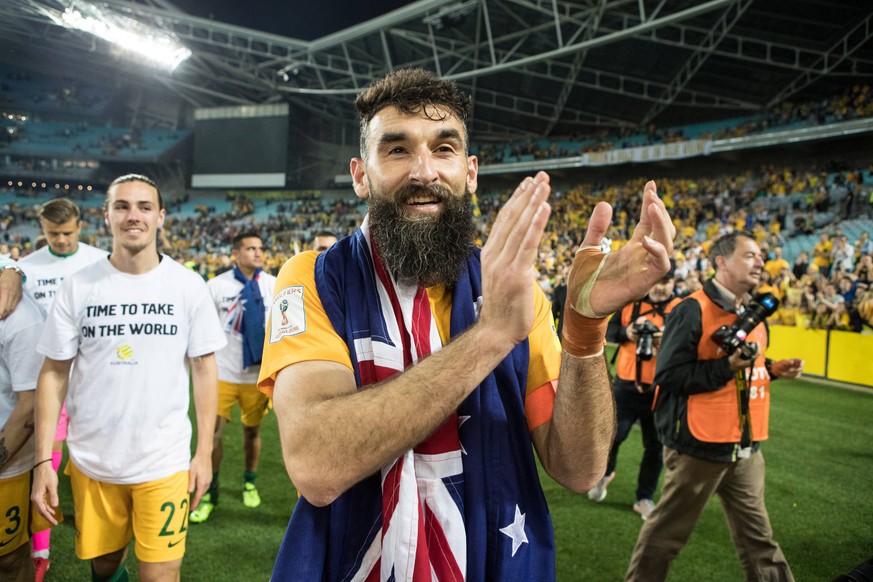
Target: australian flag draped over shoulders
(483, 515)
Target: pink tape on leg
(41, 541)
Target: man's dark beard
(426, 250)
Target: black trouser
(631, 406)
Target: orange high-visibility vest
(714, 417)
(626, 363)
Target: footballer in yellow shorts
(253, 404)
(18, 520)
(155, 514)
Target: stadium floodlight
(157, 46)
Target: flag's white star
(515, 531)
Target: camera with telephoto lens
(732, 338)
(646, 333)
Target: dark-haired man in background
(712, 412)
(323, 240)
(241, 296)
(64, 254)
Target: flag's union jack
(422, 535)
(465, 504)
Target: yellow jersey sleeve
(545, 352)
(298, 328)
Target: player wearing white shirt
(19, 368)
(132, 324)
(63, 255)
(46, 270)
(237, 293)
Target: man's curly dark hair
(411, 91)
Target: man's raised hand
(629, 273)
(509, 254)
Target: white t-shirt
(19, 369)
(225, 290)
(45, 271)
(128, 395)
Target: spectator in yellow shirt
(775, 265)
(821, 253)
(788, 312)
(766, 286)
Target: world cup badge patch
(287, 315)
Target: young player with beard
(411, 372)
(132, 324)
(46, 269)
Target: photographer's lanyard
(639, 380)
(743, 378)
(742, 381)
(639, 367)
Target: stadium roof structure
(535, 68)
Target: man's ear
(472, 173)
(358, 170)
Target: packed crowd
(854, 103)
(828, 287)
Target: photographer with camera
(636, 328)
(711, 412)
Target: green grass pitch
(819, 469)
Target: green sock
(120, 575)
(249, 476)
